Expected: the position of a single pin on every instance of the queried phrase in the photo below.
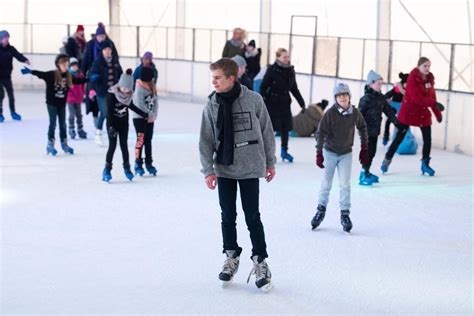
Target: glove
(439, 117)
(92, 94)
(25, 71)
(364, 154)
(94, 77)
(303, 109)
(319, 159)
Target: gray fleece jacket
(254, 143)
(145, 101)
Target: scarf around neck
(282, 65)
(225, 125)
(124, 98)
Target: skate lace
(230, 265)
(260, 270)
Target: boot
(82, 134)
(319, 217)
(16, 116)
(231, 265)
(263, 276)
(151, 170)
(50, 150)
(285, 155)
(385, 163)
(425, 167)
(346, 221)
(66, 148)
(106, 174)
(365, 178)
(72, 133)
(128, 172)
(139, 168)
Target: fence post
(194, 43)
(390, 56)
(363, 60)
(337, 56)
(138, 41)
(69, 30)
(450, 88)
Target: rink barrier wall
(191, 81)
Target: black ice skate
(346, 221)
(319, 217)
(263, 276)
(230, 267)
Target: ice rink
(74, 245)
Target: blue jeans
(102, 103)
(58, 112)
(343, 163)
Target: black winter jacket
(371, 105)
(101, 68)
(6, 60)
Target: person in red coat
(418, 103)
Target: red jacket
(76, 92)
(420, 95)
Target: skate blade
(226, 284)
(267, 287)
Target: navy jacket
(91, 54)
(6, 60)
(101, 68)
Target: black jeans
(425, 131)
(59, 113)
(372, 150)
(7, 85)
(284, 132)
(249, 194)
(144, 135)
(119, 131)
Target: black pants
(284, 132)
(7, 85)
(144, 135)
(57, 113)
(118, 130)
(372, 150)
(425, 131)
(249, 195)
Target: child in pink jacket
(75, 97)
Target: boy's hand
(150, 119)
(211, 181)
(25, 71)
(364, 154)
(27, 62)
(320, 159)
(270, 174)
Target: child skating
(334, 141)
(75, 96)
(58, 83)
(146, 99)
(372, 104)
(237, 148)
(119, 100)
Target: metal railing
(339, 57)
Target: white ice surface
(72, 244)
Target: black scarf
(225, 125)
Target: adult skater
(237, 146)
(107, 70)
(58, 82)
(236, 45)
(420, 97)
(334, 141)
(372, 105)
(76, 44)
(278, 82)
(7, 53)
(93, 48)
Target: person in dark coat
(395, 97)
(278, 82)
(7, 53)
(76, 44)
(418, 103)
(243, 78)
(93, 51)
(252, 57)
(146, 61)
(105, 72)
(236, 45)
(372, 105)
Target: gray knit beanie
(372, 77)
(340, 88)
(239, 60)
(126, 80)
